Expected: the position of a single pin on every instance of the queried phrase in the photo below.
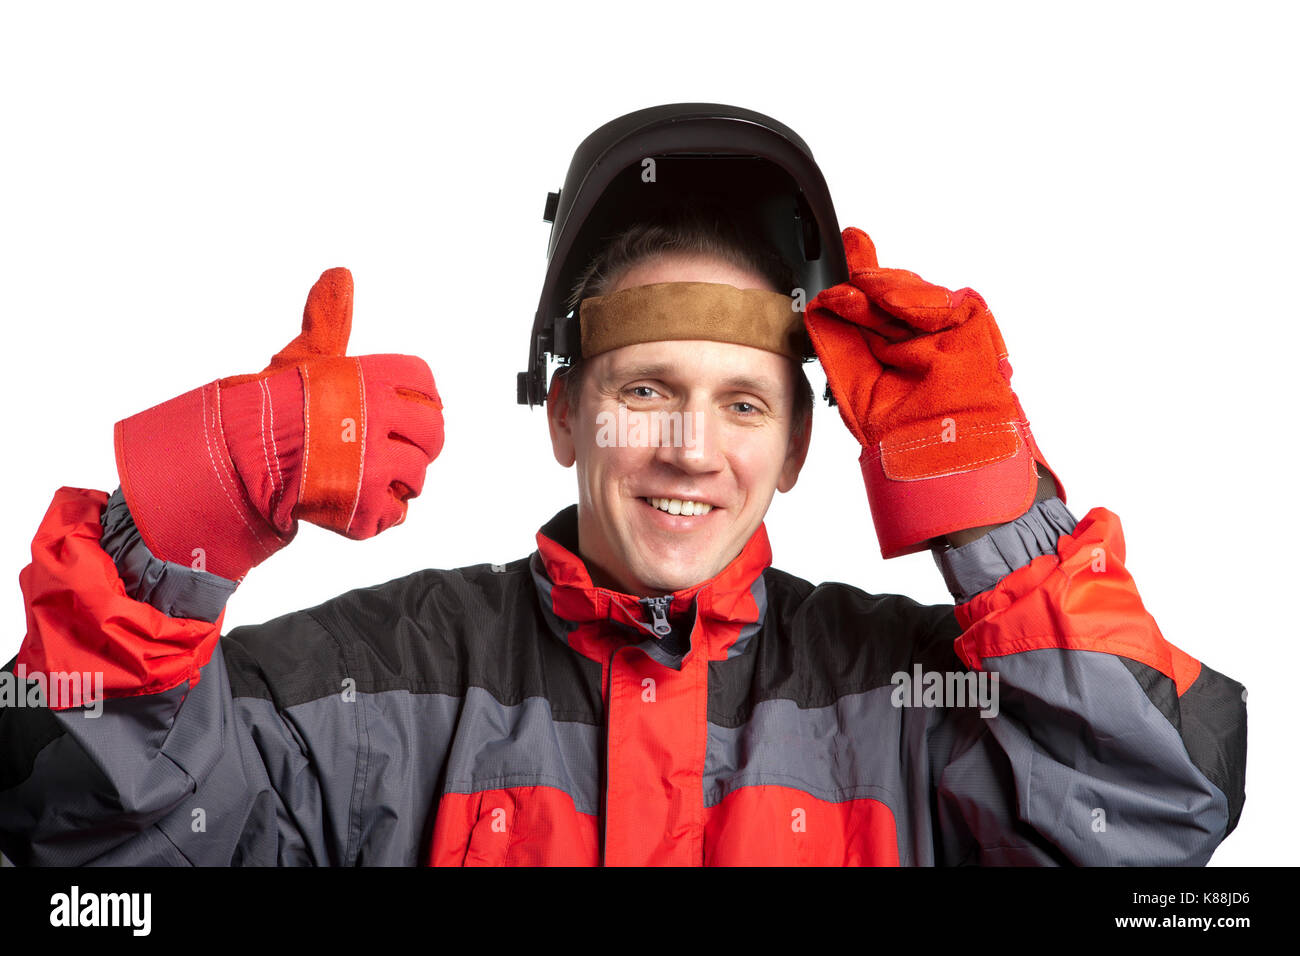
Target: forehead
(697, 362)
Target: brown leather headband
(692, 310)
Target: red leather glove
(217, 478)
(921, 377)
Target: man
(644, 688)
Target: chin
(665, 578)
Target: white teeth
(678, 506)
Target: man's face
(740, 448)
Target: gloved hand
(217, 478)
(921, 377)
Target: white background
(1117, 180)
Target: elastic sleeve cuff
(173, 589)
(979, 565)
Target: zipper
(659, 612)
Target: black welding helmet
(759, 171)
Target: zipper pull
(659, 611)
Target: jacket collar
(719, 614)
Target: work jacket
(518, 714)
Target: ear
(558, 415)
(796, 455)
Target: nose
(690, 439)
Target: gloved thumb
(326, 322)
(859, 250)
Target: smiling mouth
(679, 506)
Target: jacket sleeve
(1110, 746)
(147, 759)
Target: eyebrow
(745, 383)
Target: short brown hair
(698, 231)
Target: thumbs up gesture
(218, 478)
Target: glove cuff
(183, 491)
(908, 512)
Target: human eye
(748, 406)
(642, 392)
